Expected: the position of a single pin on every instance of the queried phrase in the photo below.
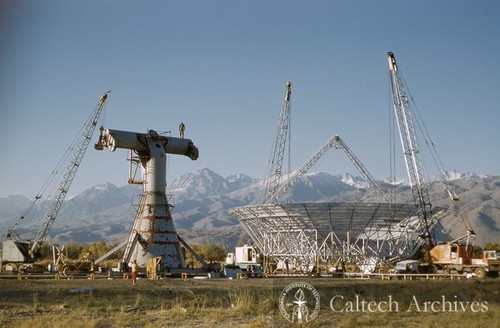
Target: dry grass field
(246, 303)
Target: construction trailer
(247, 259)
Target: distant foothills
(201, 200)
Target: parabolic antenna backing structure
(300, 236)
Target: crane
(412, 155)
(336, 143)
(24, 251)
(278, 151)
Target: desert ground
(174, 302)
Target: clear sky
(221, 68)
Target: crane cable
(52, 181)
(437, 161)
(289, 159)
(392, 145)
(47, 187)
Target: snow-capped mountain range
(201, 200)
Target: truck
(458, 258)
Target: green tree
(46, 252)
(490, 246)
(209, 253)
(215, 253)
(98, 249)
(477, 252)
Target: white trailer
(247, 258)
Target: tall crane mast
(278, 152)
(412, 156)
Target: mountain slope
(201, 200)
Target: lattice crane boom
(278, 152)
(340, 144)
(412, 156)
(285, 187)
(337, 143)
(72, 167)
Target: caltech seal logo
(299, 302)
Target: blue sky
(221, 68)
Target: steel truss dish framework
(302, 235)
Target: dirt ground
(173, 302)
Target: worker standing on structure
(134, 272)
(182, 127)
